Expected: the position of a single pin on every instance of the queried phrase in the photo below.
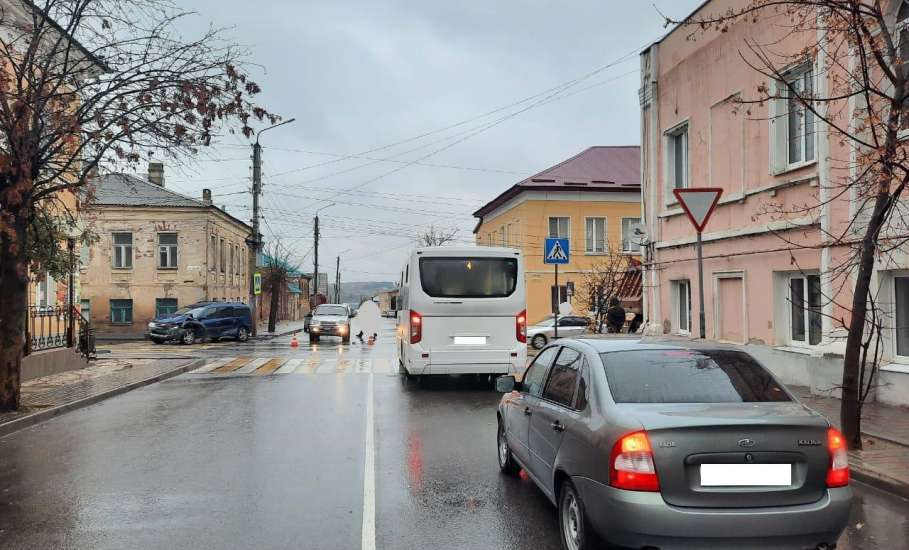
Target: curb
(42, 416)
(879, 481)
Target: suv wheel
(538, 341)
(188, 337)
(242, 334)
(506, 462)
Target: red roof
(598, 168)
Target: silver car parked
(654, 446)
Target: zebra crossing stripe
(326, 367)
(233, 365)
(290, 366)
(252, 365)
(271, 366)
(212, 365)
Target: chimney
(206, 197)
(156, 173)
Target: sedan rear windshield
(689, 376)
(469, 277)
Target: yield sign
(698, 203)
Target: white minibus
(462, 311)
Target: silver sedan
(543, 332)
(653, 446)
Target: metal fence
(58, 326)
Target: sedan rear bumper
(641, 519)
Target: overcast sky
(369, 77)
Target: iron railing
(58, 326)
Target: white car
(330, 320)
(541, 333)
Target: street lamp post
(255, 240)
(315, 274)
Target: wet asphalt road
(209, 460)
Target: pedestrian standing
(615, 316)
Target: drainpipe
(823, 167)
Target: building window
(123, 250)
(805, 309)
(901, 313)
(630, 241)
(213, 253)
(677, 153)
(558, 295)
(902, 28)
(222, 256)
(165, 306)
(559, 228)
(167, 250)
(799, 119)
(595, 235)
(85, 307)
(681, 294)
(121, 312)
(504, 234)
(239, 257)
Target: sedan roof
(605, 345)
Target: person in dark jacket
(615, 316)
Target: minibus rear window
(468, 277)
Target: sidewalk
(282, 328)
(884, 461)
(47, 397)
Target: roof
(678, 25)
(128, 190)
(606, 345)
(95, 60)
(597, 168)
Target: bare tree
(860, 103)
(603, 280)
(276, 277)
(91, 85)
(437, 236)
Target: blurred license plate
(746, 475)
(470, 340)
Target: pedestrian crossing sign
(556, 251)
(257, 283)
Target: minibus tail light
(520, 325)
(416, 327)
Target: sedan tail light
(416, 327)
(838, 471)
(631, 464)
(520, 325)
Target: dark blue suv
(203, 321)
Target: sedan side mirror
(505, 384)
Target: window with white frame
(901, 315)
(794, 124)
(681, 294)
(167, 250)
(805, 309)
(677, 157)
(631, 242)
(559, 227)
(902, 31)
(123, 250)
(595, 235)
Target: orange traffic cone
(293, 341)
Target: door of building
(731, 309)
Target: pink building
(760, 289)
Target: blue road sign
(556, 251)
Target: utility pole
(315, 273)
(255, 241)
(338, 281)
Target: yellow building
(593, 199)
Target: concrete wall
(54, 361)
(198, 275)
(527, 221)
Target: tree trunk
(850, 407)
(14, 281)
(273, 309)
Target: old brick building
(158, 250)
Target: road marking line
(325, 367)
(233, 365)
(369, 474)
(252, 365)
(212, 365)
(271, 366)
(290, 366)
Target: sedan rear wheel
(572, 522)
(538, 341)
(507, 462)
